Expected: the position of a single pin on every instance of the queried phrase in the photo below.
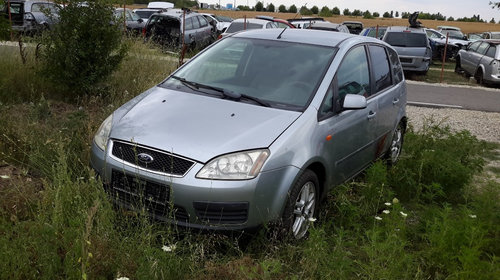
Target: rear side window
(380, 66)
(203, 21)
(406, 39)
(189, 23)
(491, 52)
(397, 70)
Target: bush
(85, 47)
(4, 29)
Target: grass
(57, 222)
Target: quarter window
(397, 70)
(381, 70)
(491, 52)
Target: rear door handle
(371, 115)
(395, 101)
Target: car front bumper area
(196, 203)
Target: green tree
(356, 13)
(397, 14)
(4, 28)
(259, 6)
(85, 47)
(282, 9)
(270, 8)
(336, 11)
(392, 14)
(315, 10)
(346, 12)
(386, 15)
(376, 14)
(305, 11)
(367, 14)
(292, 9)
(325, 12)
(450, 19)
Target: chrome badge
(145, 158)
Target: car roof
(448, 27)
(325, 24)
(306, 36)
(252, 20)
(404, 29)
(348, 21)
(178, 13)
(491, 41)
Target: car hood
(421, 51)
(199, 127)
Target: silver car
(30, 16)
(481, 59)
(412, 46)
(255, 129)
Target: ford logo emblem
(145, 158)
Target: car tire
(394, 152)
(479, 77)
(458, 66)
(301, 205)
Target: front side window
(196, 23)
(353, 76)
(283, 74)
(473, 46)
(189, 23)
(203, 21)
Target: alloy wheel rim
(304, 210)
(396, 145)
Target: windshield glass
(406, 39)
(144, 14)
(223, 18)
(453, 34)
(283, 74)
(238, 26)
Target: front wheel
(301, 205)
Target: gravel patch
(484, 125)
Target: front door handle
(371, 115)
(395, 101)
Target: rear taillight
(219, 37)
(144, 32)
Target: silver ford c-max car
(255, 129)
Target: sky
(454, 8)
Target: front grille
(161, 161)
(221, 212)
(135, 194)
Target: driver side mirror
(140, 20)
(353, 102)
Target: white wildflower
(403, 214)
(473, 216)
(395, 201)
(312, 220)
(4, 176)
(378, 218)
(168, 248)
(386, 211)
(122, 278)
(387, 204)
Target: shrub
(85, 47)
(4, 28)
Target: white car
(220, 23)
(250, 23)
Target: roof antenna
(279, 36)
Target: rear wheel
(301, 205)
(479, 77)
(458, 66)
(394, 152)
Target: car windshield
(495, 35)
(282, 74)
(453, 34)
(238, 26)
(406, 39)
(223, 18)
(44, 7)
(373, 32)
(144, 14)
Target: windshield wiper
(225, 93)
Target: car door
(466, 58)
(387, 91)
(352, 132)
(487, 61)
(477, 56)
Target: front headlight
(101, 137)
(236, 166)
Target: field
(467, 27)
(434, 215)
